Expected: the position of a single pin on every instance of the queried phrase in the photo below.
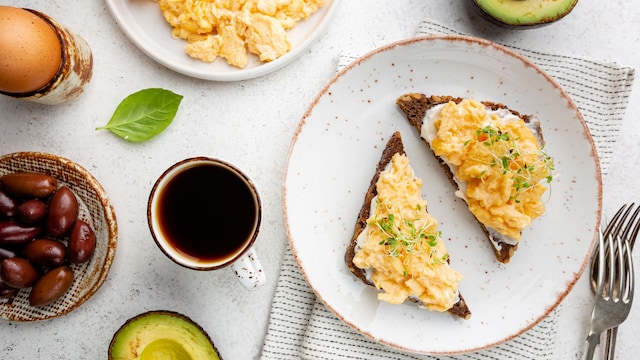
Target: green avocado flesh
(161, 336)
(526, 12)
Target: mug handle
(249, 270)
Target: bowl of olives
(58, 236)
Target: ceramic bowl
(95, 209)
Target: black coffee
(207, 212)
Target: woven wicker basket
(95, 209)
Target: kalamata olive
(7, 205)
(6, 291)
(82, 242)
(19, 273)
(12, 233)
(51, 286)
(6, 254)
(31, 211)
(45, 252)
(63, 211)
(28, 184)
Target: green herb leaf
(403, 234)
(144, 114)
(506, 153)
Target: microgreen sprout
(404, 235)
(506, 154)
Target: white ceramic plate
(142, 22)
(332, 159)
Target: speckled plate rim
(143, 24)
(99, 265)
(332, 158)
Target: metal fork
(629, 232)
(614, 294)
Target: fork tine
(610, 272)
(601, 261)
(631, 273)
(634, 234)
(615, 226)
(628, 238)
(628, 273)
(617, 267)
(621, 237)
(611, 226)
(614, 223)
(627, 230)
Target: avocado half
(161, 335)
(523, 13)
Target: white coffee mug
(204, 214)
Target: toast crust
(415, 107)
(393, 146)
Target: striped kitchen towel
(301, 327)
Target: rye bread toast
(393, 146)
(415, 107)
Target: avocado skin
(121, 343)
(496, 19)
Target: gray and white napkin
(301, 327)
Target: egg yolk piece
(500, 161)
(235, 29)
(31, 52)
(402, 246)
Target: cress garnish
(404, 235)
(526, 168)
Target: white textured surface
(251, 123)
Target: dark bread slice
(393, 146)
(415, 107)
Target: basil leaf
(144, 114)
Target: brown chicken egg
(31, 52)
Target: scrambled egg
(499, 159)
(233, 28)
(401, 244)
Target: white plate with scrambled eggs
(202, 40)
(333, 157)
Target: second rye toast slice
(515, 157)
(368, 217)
